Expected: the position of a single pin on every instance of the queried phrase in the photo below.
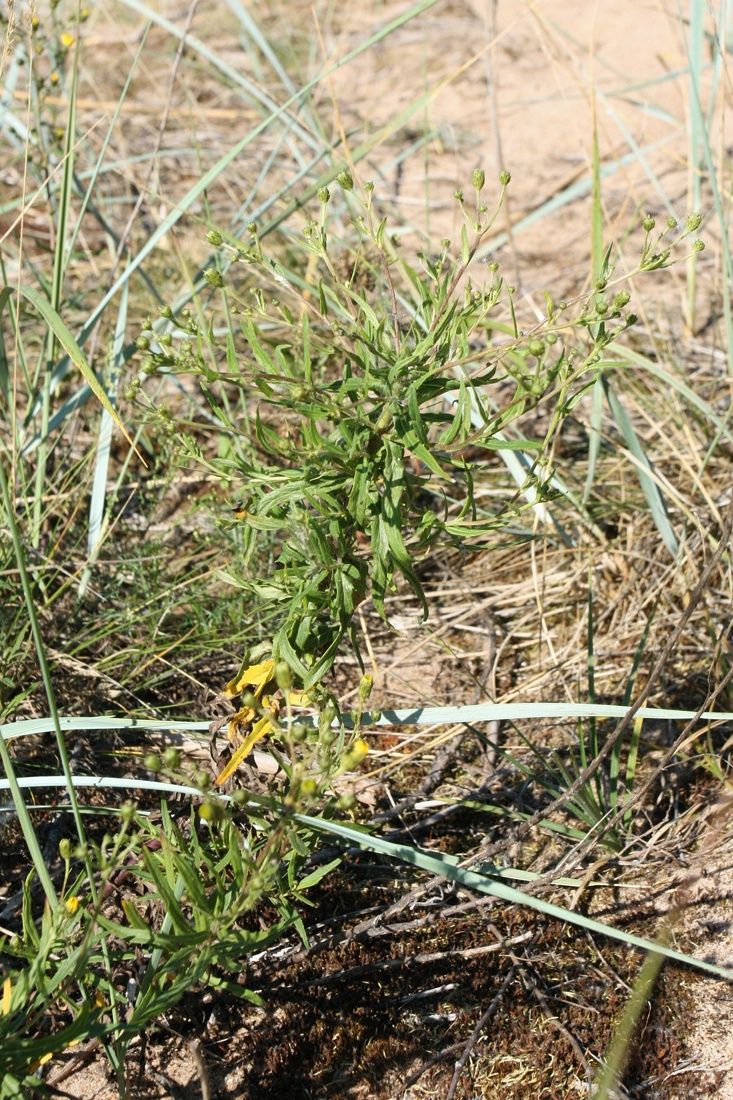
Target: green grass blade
(471, 880)
(649, 487)
(68, 343)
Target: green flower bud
(299, 733)
(535, 347)
(323, 195)
(128, 809)
(631, 319)
(65, 849)
(165, 339)
(252, 227)
(283, 676)
(699, 246)
(172, 757)
(622, 299)
(214, 237)
(445, 242)
(693, 222)
(346, 180)
(602, 307)
(601, 284)
(153, 763)
(369, 186)
(166, 311)
(551, 338)
(671, 223)
(214, 278)
(309, 788)
(458, 196)
(142, 343)
(365, 688)
(478, 178)
(504, 178)
(648, 223)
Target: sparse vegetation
(258, 418)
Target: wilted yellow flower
(255, 678)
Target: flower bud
(478, 178)
(693, 222)
(251, 227)
(504, 178)
(365, 688)
(214, 278)
(65, 849)
(353, 757)
(152, 763)
(323, 195)
(167, 312)
(172, 757)
(535, 347)
(211, 810)
(648, 223)
(214, 237)
(128, 810)
(283, 676)
(699, 246)
(671, 223)
(142, 343)
(346, 180)
(622, 299)
(369, 186)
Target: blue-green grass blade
(472, 880)
(649, 487)
(420, 716)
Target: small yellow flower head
(353, 757)
(71, 905)
(67, 40)
(54, 78)
(7, 996)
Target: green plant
(359, 399)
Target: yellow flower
(255, 678)
(72, 904)
(7, 996)
(67, 40)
